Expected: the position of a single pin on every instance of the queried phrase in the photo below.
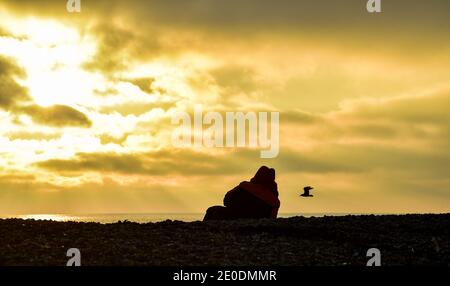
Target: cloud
(118, 46)
(190, 163)
(427, 108)
(4, 32)
(365, 138)
(15, 99)
(254, 13)
(29, 135)
(111, 51)
(127, 164)
(396, 120)
(107, 139)
(11, 93)
(236, 78)
(183, 162)
(411, 17)
(135, 108)
(403, 133)
(12, 178)
(300, 117)
(57, 115)
(144, 84)
(145, 29)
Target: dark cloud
(118, 46)
(293, 13)
(11, 93)
(107, 139)
(7, 34)
(190, 163)
(335, 158)
(144, 84)
(411, 25)
(57, 115)
(127, 164)
(155, 163)
(110, 55)
(259, 14)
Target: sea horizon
(153, 217)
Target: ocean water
(139, 218)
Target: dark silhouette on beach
(255, 199)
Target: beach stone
(298, 241)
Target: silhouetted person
(255, 199)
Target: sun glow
(52, 56)
(53, 217)
(62, 86)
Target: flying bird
(306, 191)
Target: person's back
(255, 199)
(246, 205)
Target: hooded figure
(255, 199)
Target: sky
(86, 101)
